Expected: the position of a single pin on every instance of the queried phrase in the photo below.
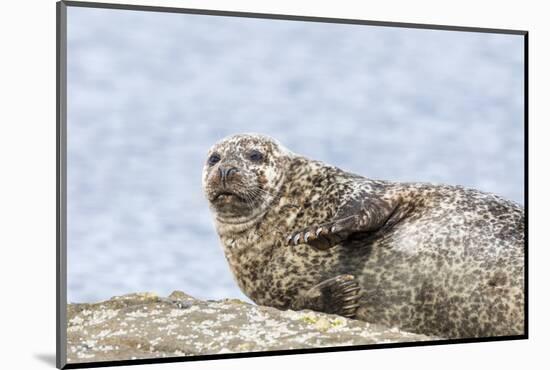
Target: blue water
(149, 93)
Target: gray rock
(144, 325)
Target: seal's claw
(320, 237)
(289, 239)
(323, 230)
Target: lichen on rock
(144, 325)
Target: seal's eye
(213, 159)
(255, 156)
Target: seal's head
(243, 175)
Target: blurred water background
(149, 93)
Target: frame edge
(287, 17)
(61, 172)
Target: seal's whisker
(259, 191)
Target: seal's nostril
(230, 171)
(225, 172)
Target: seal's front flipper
(338, 295)
(324, 236)
(358, 215)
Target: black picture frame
(61, 175)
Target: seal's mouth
(226, 197)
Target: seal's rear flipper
(338, 295)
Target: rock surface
(143, 325)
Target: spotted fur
(433, 259)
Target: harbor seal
(301, 234)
